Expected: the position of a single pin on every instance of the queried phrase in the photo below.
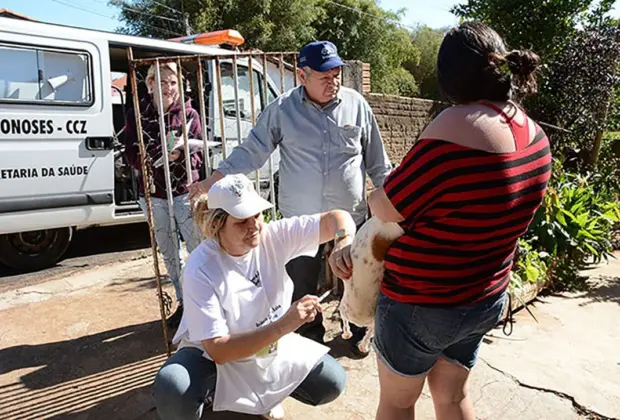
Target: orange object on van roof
(225, 36)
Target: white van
(61, 121)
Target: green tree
(427, 41)
(265, 24)
(363, 31)
(581, 88)
(360, 29)
(543, 26)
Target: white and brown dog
(359, 300)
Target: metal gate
(199, 79)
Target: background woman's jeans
(185, 229)
(185, 385)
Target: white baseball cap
(236, 195)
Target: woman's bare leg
(448, 385)
(398, 394)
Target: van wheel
(35, 250)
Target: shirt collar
(304, 97)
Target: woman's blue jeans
(185, 385)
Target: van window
(271, 95)
(228, 91)
(37, 75)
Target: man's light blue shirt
(324, 152)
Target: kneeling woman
(237, 350)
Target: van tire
(31, 251)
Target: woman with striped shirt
(465, 192)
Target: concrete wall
(356, 75)
(401, 120)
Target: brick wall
(401, 120)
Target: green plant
(427, 41)
(576, 221)
(574, 226)
(268, 218)
(530, 268)
(530, 265)
(400, 82)
(608, 167)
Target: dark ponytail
(473, 65)
(523, 65)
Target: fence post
(147, 194)
(356, 75)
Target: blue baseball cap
(320, 56)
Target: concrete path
(574, 349)
(87, 347)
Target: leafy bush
(530, 266)
(608, 167)
(575, 221)
(572, 229)
(400, 82)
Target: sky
(98, 15)
(433, 13)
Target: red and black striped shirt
(464, 211)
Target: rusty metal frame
(203, 114)
(147, 194)
(163, 59)
(236, 87)
(205, 120)
(188, 161)
(253, 106)
(166, 159)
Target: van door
(56, 160)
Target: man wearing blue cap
(329, 141)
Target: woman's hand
(302, 311)
(196, 189)
(340, 259)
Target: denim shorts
(410, 338)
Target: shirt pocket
(350, 139)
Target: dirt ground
(88, 346)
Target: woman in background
(169, 242)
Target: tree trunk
(598, 138)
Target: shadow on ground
(101, 376)
(69, 360)
(109, 239)
(94, 371)
(607, 289)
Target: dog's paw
(364, 347)
(347, 334)
(276, 413)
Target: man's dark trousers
(305, 272)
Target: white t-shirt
(226, 295)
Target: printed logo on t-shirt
(273, 315)
(256, 279)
